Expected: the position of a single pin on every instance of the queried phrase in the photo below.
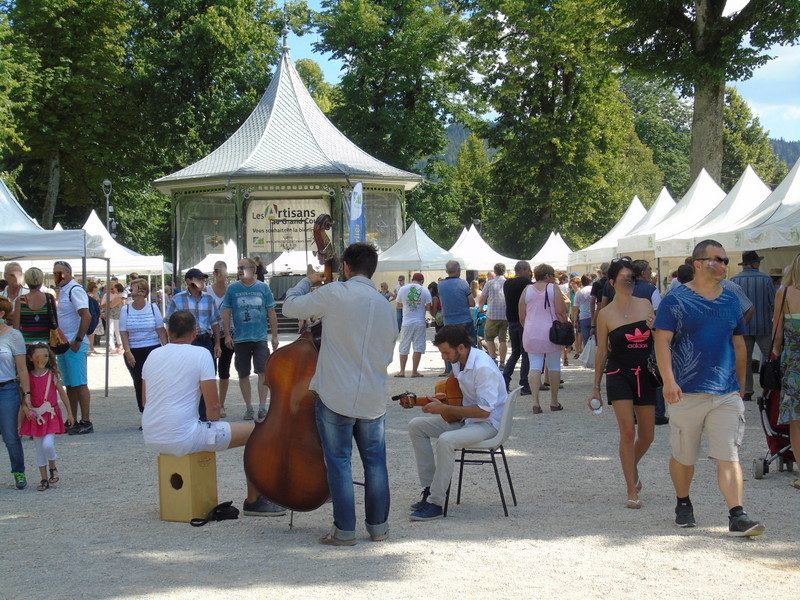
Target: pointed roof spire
(285, 30)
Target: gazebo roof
(287, 135)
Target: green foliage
(663, 123)
(396, 84)
(325, 95)
(15, 88)
(746, 142)
(569, 159)
(788, 151)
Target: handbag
(770, 376)
(221, 512)
(589, 352)
(561, 334)
(58, 342)
(653, 374)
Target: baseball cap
(194, 274)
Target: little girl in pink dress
(45, 420)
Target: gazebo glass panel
(204, 225)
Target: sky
(773, 92)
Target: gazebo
(267, 183)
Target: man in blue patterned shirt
(701, 355)
(758, 287)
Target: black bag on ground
(221, 512)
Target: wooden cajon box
(187, 485)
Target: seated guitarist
(484, 399)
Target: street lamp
(109, 209)
(477, 224)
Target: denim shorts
(246, 353)
(73, 366)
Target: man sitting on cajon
(173, 377)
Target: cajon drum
(187, 485)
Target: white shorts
(412, 334)
(210, 436)
(538, 360)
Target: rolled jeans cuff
(377, 530)
(340, 534)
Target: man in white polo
(415, 300)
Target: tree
(691, 44)
(15, 89)
(395, 89)
(663, 123)
(324, 94)
(569, 158)
(745, 142)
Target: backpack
(94, 311)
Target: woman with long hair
(786, 331)
(36, 312)
(217, 291)
(624, 345)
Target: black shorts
(624, 383)
(224, 362)
(246, 353)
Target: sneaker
(222, 413)
(662, 420)
(502, 366)
(68, 428)
(248, 414)
(19, 480)
(262, 508)
(747, 397)
(684, 515)
(428, 512)
(424, 500)
(262, 414)
(743, 526)
(84, 427)
(525, 392)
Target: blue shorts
(73, 366)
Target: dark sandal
(537, 410)
(554, 408)
(44, 485)
(53, 476)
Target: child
(45, 420)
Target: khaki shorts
(496, 329)
(721, 417)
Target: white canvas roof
(22, 237)
(122, 259)
(605, 248)
(474, 253)
(776, 223)
(748, 192)
(702, 197)
(414, 251)
(554, 252)
(292, 261)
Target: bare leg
(223, 391)
(403, 361)
(731, 482)
(240, 433)
(415, 363)
(490, 346)
(623, 410)
(72, 395)
(681, 477)
(247, 394)
(554, 377)
(535, 381)
(794, 436)
(263, 390)
(83, 400)
(503, 351)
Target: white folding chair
(490, 447)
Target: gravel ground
(98, 535)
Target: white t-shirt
(141, 325)
(172, 376)
(414, 298)
(71, 299)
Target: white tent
(748, 192)
(474, 253)
(23, 237)
(292, 261)
(229, 255)
(554, 252)
(605, 248)
(123, 260)
(776, 223)
(702, 197)
(414, 251)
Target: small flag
(358, 222)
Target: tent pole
(108, 319)
(163, 290)
(83, 267)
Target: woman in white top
(217, 291)
(142, 329)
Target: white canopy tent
(776, 223)
(292, 262)
(123, 259)
(554, 252)
(748, 192)
(605, 248)
(415, 251)
(474, 253)
(229, 255)
(703, 196)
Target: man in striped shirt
(759, 289)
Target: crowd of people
(690, 350)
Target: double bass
(283, 457)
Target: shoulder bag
(561, 334)
(769, 378)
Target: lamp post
(477, 224)
(109, 209)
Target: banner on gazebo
(278, 225)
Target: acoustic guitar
(447, 391)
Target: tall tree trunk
(53, 185)
(707, 126)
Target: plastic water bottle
(597, 406)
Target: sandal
(633, 504)
(332, 540)
(53, 475)
(43, 485)
(537, 410)
(556, 407)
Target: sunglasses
(717, 259)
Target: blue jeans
(337, 433)
(586, 328)
(9, 425)
(661, 408)
(515, 335)
(399, 319)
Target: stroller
(780, 448)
